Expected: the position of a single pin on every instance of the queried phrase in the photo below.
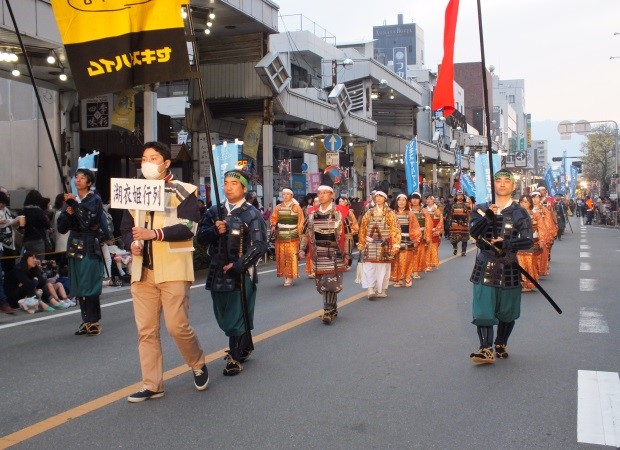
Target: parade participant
(237, 238)
(458, 218)
(309, 266)
(324, 237)
(501, 229)
(545, 228)
(287, 221)
(82, 216)
(410, 236)
(589, 210)
(561, 216)
(351, 228)
(432, 254)
(528, 259)
(161, 246)
(426, 229)
(379, 240)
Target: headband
(416, 195)
(382, 194)
(238, 175)
(503, 173)
(401, 195)
(287, 191)
(324, 187)
(536, 193)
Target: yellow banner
(89, 20)
(359, 156)
(251, 136)
(124, 111)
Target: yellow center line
(98, 403)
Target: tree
(599, 159)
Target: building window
(511, 98)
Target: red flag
(444, 91)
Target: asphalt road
(391, 373)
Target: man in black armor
(500, 229)
(458, 223)
(237, 238)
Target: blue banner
(550, 181)
(467, 185)
(411, 166)
(298, 185)
(483, 176)
(225, 158)
(574, 173)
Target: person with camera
(82, 216)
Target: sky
(561, 48)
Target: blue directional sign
(332, 142)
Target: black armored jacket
(87, 225)
(498, 267)
(244, 242)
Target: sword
(524, 272)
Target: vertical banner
(468, 185)
(444, 90)
(574, 173)
(549, 180)
(225, 158)
(359, 157)
(118, 44)
(484, 177)
(315, 181)
(124, 112)
(399, 56)
(411, 166)
(251, 137)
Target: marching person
(432, 254)
(324, 237)
(528, 259)
(82, 216)
(287, 221)
(426, 229)
(161, 246)
(458, 220)
(379, 240)
(501, 229)
(561, 215)
(546, 230)
(237, 238)
(402, 266)
(351, 228)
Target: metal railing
(299, 22)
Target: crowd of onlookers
(34, 274)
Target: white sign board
(137, 194)
(332, 159)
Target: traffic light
(556, 158)
(577, 164)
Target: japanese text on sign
(128, 60)
(143, 195)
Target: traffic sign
(332, 142)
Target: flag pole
(485, 91)
(36, 93)
(203, 106)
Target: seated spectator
(27, 281)
(63, 278)
(122, 260)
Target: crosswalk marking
(584, 254)
(591, 320)
(584, 247)
(585, 266)
(598, 408)
(587, 285)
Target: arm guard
(257, 236)
(207, 233)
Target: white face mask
(150, 170)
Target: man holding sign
(163, 270)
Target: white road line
(106, 305)
(598, 408)
(584, 247)
(591, 320)
(585, 266)
(584, 254)
(587, 284)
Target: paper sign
(137, 194)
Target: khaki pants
(149, 298)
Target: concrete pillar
(369, 167)
(150, 113)
(268, 164)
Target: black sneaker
(201, 378)
(233, 367)
(454, 252)
(463, 253)
(143, 395)
(501, 351)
